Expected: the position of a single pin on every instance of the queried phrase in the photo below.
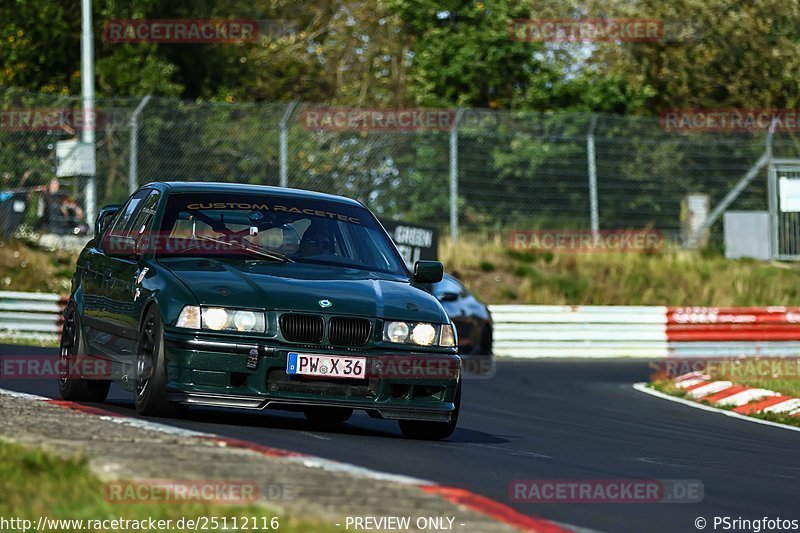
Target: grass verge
(498, 274)
(672, 276)
(25, 267)
(36, 483)
(42, 342)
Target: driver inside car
(316, 240)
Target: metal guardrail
(579, 331)
(529, 331)
(31, 315)
(644, 331)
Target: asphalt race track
(547, 420)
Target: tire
(423, 430)
(150, 395)
(328, 416)
(71, 349)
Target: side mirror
(120, 246)
(104, 217)
(428, 271)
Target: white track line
(642, 387)
(153, 426)
(15, 394)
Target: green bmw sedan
(254, 297)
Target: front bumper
(213, 371)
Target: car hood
(300, 287)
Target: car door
(102, 338)
(122, 285)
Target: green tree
(716, 53)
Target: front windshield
(273, 228)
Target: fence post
(133, 166)
(590, 156)
(88, 108)
(284, 141)
(772, 191)
(454, 176)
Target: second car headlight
(221, 319)
(417, 333)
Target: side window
(143, 220)
(125, 214)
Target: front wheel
(72, 351)
(423, 430)
(150, 395)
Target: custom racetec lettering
(244, 206)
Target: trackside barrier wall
(31, 315)
(644, 331)
(528, 331)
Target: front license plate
(331, 366)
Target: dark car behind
(472, 318)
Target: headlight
(423, 334)
(215, 318)
(417, 333)
(244, 320)
(396, 332)
(220, 318)
(447, 338)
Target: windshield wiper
(253, 249)
(270, 254)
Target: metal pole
(454, 176)
(133, 167)
(284, 141)
(590, 156)
(87, 90)
(772, 191)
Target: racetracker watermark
(635, 30)
(774, 315)
(431, 367)
(377, 120)
(237, 492)
(181, 31)
(587, 241)
(49, 120)
(53, 367)
(729, 368)
(693, 120)
(606, 491)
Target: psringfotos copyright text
(756, 525)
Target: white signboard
(74, 158)
(789, 192)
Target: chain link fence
(490, 172)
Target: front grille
(302, 328)
(344, 331)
